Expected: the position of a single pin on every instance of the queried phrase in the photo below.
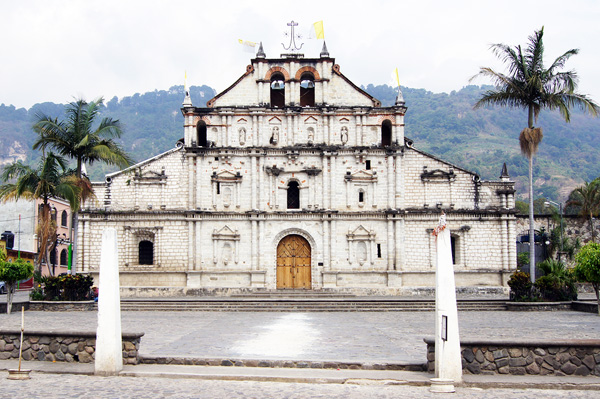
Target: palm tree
(587, 199)
(79, 137)
(49, 180)
(531, 86)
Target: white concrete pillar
(448, 362)
(109, 342)
(198, 183)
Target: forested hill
(442, 124)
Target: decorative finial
(504, 175)
(400, 97)
(324, 52)
(292, 46)
(261, 52)
(187, 101)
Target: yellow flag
(319, 32)
(396, 77)
(247, 45)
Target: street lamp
(547, 203)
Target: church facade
(295, 178)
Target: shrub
(522, 260)
(588, 267)
(520, 287)
(558, 283)
(66, 288)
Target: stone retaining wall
(62, 306)
(62, 346)
(521, 357)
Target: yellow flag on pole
(397, 78)
(318, 30)
(247, 45)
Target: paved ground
(50, 386)
(329, 336)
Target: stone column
(191, 244)
(399, 189)
(326, 247)
(109, 352)
(332, 186)
(252, 181)
(259, 245)
(254, 245)
(390, 181)
(504, 245)
(333, 244)
(198, 181)
(399, 244)
(261, 182)
(390, 244)
(198, 246)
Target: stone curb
(293, 364)
(317, 376)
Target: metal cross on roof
(292, 46)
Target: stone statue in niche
(344, 135)
(242, 133)
(275, 136)
(311, 135)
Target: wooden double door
(293, 263)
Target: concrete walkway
(367, 337)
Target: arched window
(146, 253)
(201, 132)
(53, 214)
(293, 195)
(307, 90)
(64, 219)
(53, 257)
(277, 90)
(64, 259)
(386, 133)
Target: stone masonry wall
(62, 346)
(552, 357)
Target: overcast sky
(57, 50)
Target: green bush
(522, 260)
(66, 288)
(520, 287)
(558, 282)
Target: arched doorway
(293, 263)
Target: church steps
(291, 305)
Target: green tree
(11, 273)
(50, 179)
(81, 138)
(530, 85)
(587, 199)
(588, 267)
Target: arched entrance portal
(293, 263)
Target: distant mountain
(444, 125)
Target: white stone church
(295, 178)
